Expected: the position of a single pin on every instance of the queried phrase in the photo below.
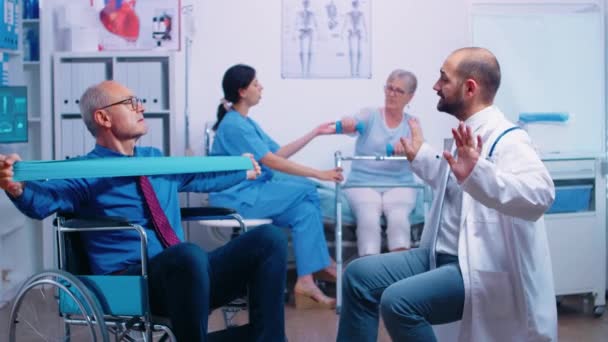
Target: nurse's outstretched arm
(276, 162)
(293, 147)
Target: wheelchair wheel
(38, 312)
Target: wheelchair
(71, 304)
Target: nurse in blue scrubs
(289, 200)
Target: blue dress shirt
(119, 196)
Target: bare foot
(310, 296)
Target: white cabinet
(569, 123)
(151, 77)
(576, 227)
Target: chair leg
(167, 333)
(229, 314)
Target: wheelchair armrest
(201, 213)
(212, 213)
(72, 221)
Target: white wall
(414, 35)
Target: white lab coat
(502, 249)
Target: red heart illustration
(122, 21)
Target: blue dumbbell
(390, 150)
(359, 127)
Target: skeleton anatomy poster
(326, 39)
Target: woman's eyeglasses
(393, 90)
(134, 101)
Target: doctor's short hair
(408, 77)
(93, 98)
(481, 65)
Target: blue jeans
(402, 288)
(186, 283)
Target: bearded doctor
(484, 257)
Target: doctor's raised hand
(15, 189)
(412, 145)
(468, 151)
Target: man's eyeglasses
(393, 90)
(134, 101)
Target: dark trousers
(185, 283)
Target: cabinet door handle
(574, 172)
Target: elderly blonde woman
(382, 126)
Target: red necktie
(163, 229)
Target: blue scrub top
(238, 134)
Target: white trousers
(368, 204)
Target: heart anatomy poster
(138, 24)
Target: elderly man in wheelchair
(183, 281)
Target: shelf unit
(21, 238)
(150, 75)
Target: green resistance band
(124, 167)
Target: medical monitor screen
(13, 114)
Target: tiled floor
(576, 323)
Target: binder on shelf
(64, 74)
(30, 9)
(9, 37)
(151, 83)
(156, 134)
(87, 138)
(121, 75)
(76, 138)
(133, 76)
(78, 74)
(84, 75)
(31, 51)
(140, 83)
(67, 142)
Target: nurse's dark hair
(237, 77)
